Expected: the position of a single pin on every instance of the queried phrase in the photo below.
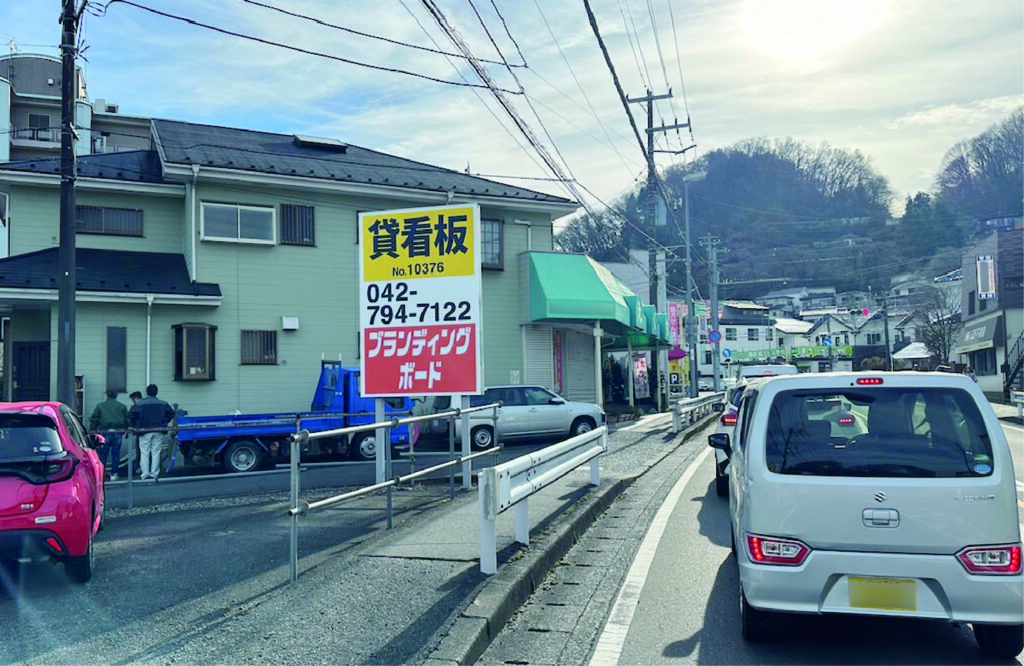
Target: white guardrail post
(512, 482)
(1018, 397)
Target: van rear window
(883, 432)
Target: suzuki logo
(879, 496)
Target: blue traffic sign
(726, 353)
(714, 337)
(828, 342)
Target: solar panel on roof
(319, 142)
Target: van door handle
(881, 517)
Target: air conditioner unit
(289, 323)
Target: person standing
(151, 415)
(110, 418)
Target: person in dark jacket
(151, 415)
(110, 418)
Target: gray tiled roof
(264, 152)
(138, 165)
(106, 270)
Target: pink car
(51, 487)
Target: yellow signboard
(419, 243)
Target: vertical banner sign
(986, 277)
(419, 301)
(673, 322)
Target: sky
(901, 81)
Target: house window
(297, 225)
(753, 334)
(259, 347)
(874, 338)
(108, 221)
(970, 303)
(194, 357)
(491, 249)
(228, 222)
(707, 357)
(39, 128)
(117, 374)
(730, 333)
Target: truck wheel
(365, 447)
(242, 456)
(483, 438)
(79, 569)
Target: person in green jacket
(110, 418)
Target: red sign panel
(421, 360)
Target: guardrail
(302, 436)
(511, 484)
(1017, 397)
(690, 410)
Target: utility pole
(711, 243)
(885, 327)
(66, 252)
(653, 194)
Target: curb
(504, 592)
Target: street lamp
(691, 316)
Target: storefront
(980, 347)
(578, 311)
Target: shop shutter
(538, 359)
(579, 367)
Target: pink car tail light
(60, 470)
(992, 560)
(55, 545)
(728, 419)
(784, 552)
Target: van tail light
(728, 418)
(869, 381)
(769, 550)
(59, 470)
(991, 560)
(845, 420)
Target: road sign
(714, 337)
(726, 353)
(828, 342)
(419, 301)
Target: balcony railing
(42, 134)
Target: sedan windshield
(886, 432)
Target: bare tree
(982, 176)
(939, 321)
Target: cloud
(973, 114)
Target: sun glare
(801, 31)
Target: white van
(906, 506)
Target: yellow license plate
(883, 593)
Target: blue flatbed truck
(245, 442)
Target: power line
(297, 49)
(615, 77)
(361, 34)
(507, 32)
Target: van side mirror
(718, 407)
(720, 440)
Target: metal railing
(299, 508)
(1017, 397)
(511, 484)
(690, 410)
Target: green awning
(566, 287)
(636, 312)
(651, 320)
(663, 332)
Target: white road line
(613, 636)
